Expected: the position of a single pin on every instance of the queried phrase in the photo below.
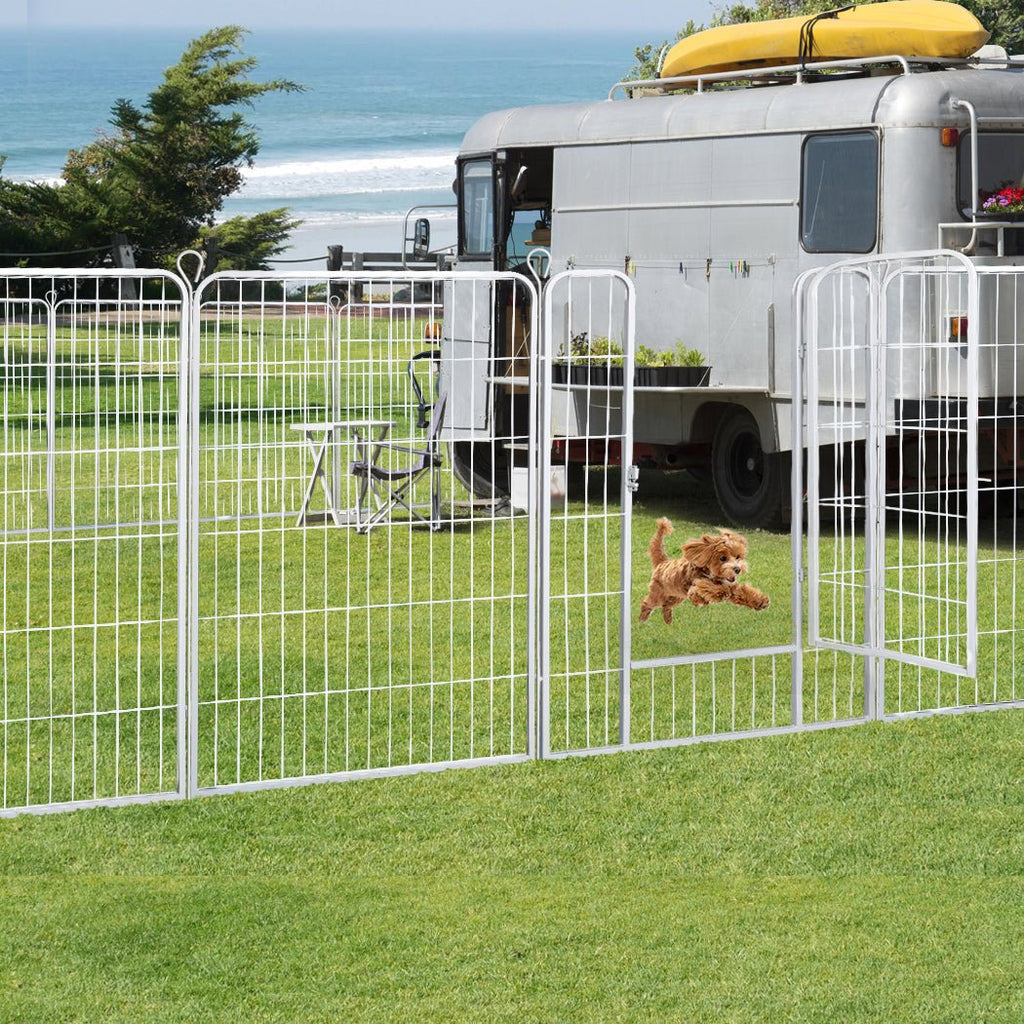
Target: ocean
(374, 133)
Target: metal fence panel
(913, 478)
(608, 681)
(335, 634)
(999, 678)
(91, 594)
(584, 600)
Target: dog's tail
(657, 545)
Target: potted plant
(678, 367)
(1007, 204)
(598, 362)
(577, 350)
(595, 362)
(605, 363)
(645, 359)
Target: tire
(749, 483)
(482, 471)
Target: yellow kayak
(913, 28)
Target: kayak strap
(807, 32)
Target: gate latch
(633, 479)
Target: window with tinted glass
(1000, 163)
(839, 193)
(476, 200)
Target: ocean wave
(349, 176)
(54, 181)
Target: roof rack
(796, 72)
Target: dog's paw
(761, 602)
(645, 614)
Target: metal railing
(193, 603)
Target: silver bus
(715, 200)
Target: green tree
(246, 243)
(647, 58)
(1003, 18)
(162, 175)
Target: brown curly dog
(706, 573)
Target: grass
(320, 651)
(859, 874)
(869, 874)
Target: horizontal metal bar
(696, 659)
(686, 741)
(887, 654)
(354, 775)
(78, 805)
(961, 709)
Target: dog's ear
(700, 552)
(734, 540)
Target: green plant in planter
(645, 356)
(678, 356)
(604, 350)
(683, 356)
(601, 350)
(579, 348)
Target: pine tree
(162, 175)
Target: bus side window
(476, 214)
(839, 192)
(1000, 163)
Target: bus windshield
(1000, 164)
(476, 208)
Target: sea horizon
(375, 132)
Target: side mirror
(421, 238)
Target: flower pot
(595, 375)
(695, 376)
(674, 376)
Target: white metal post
(188, 488)
(627, 487)
(542, 590)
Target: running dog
(707, 572)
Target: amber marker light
(950, 136)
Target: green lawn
(321, 651)
(859, 874)
(868, 874)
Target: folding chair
(392, 485)
(422, 405)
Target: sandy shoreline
(309, 243)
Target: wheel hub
(748, 465)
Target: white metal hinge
(633, 479)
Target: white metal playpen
(241, 548)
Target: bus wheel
(748, 482)
(480, 469)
